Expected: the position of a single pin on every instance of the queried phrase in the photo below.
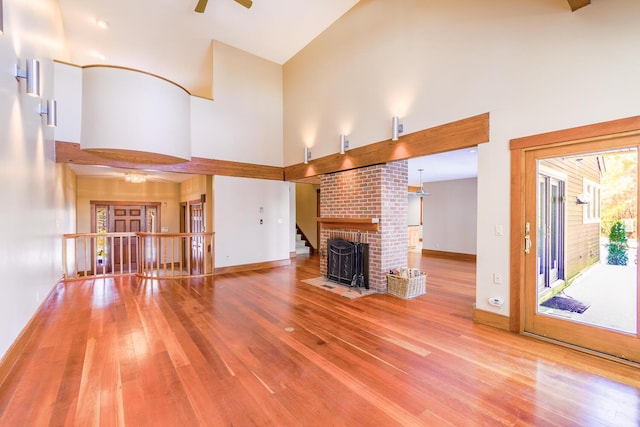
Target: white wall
(243, 123)
(68, 92)
(450, 215)
(533, 64)
(292, 217)
(134, 111)
(34, 192)
(240, 238)
(414, 209)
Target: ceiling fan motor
(202, 4)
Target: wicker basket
(404, 287)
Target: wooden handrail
(144, 254)
(176, 254)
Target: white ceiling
(458, 164)
(106, 172)
(168, 38)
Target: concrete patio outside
(611, 292)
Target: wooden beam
(577, 4)
(456, 135)
(70, 152)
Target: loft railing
(145, 254)
(178, 254)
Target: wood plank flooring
(262, 348)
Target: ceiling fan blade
(200, 7)
(245, 3)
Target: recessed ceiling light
(102, 24)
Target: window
(590, 200)
(101, 227)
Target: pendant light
(421, 191)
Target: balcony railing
(145, 254)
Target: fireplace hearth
(348, 263)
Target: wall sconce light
(51, 111)
(396, 128)
(32, 75)
(344, 144)
(135, 178)
(307, 155)
(583, 199)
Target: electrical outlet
(497, 278)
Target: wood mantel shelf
(364, 224)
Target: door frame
(111, 204)
(94, 203)
(622, 128)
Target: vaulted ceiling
(168, 38)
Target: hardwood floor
(263, 348)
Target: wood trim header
(363, 224)
(70, 152)
(630, 125)
(465, 133)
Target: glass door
(550, 227)
(581, 272)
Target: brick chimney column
(378, 191)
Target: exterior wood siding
(582, 239)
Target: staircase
(302, 244)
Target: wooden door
(196, 222)
(584, 300)
(126, 219)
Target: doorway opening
(574, 252)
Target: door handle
(527, 244)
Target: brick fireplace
(371, 200)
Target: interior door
(573, 294)
(126, 219)
(196, 220)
